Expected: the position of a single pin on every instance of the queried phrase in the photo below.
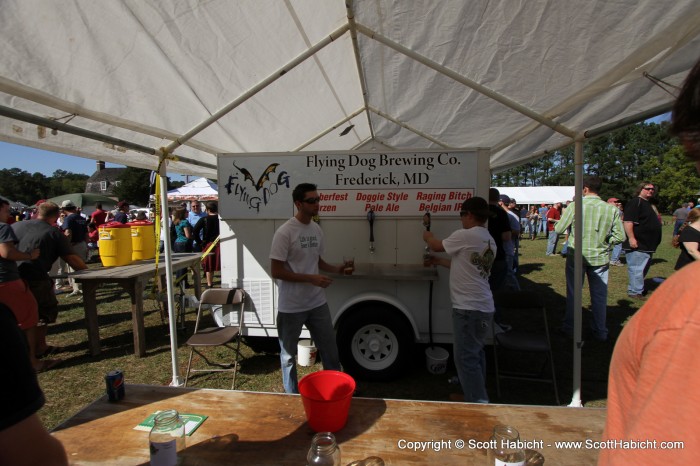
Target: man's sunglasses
(650, 188)
(311, 200)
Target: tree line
(20, 185)
(28, 188)
(623, 158)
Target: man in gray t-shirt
(679, 216)
(295, 260)
(42, 234)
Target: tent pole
(578, 271)
(165, 225)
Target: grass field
(80, 379)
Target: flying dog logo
(263, 178)
(264, 187)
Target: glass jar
(505, 447)
(167, 438)
(324, 451)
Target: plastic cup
(348, 265)
(326, 396)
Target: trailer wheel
(375, 343)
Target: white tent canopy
(200, 189)
(538, 194)
(518, 78)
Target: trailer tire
(375, 343)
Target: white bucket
(306, 353)
(436, 359)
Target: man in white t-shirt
(295, 258)
(472, 251)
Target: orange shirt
(654, 381)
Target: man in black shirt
(643, 230)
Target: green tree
(63, 182)
(622, 159)
(20, 185)
(677, 179)
(134, 186)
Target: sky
(37, 160)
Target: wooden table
(133, 279)
(270, 429)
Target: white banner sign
(397, 184)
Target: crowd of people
(57, 240)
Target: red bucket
(326, 396)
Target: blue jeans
(638, 264)
(319, 323)
(552, 242)
(470, 330)
(511, 281)
(616, 251)
(677, 226)
(598, 286)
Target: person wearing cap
(617, 249)
(122, 215)
(472, 251)
(74, 227)
(602, 228)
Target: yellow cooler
(115, 244)
(143, 240)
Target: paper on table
(192, 422)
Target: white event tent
(538, 194)
(200, 189)
(169, 84)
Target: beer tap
(370, 219)
(426, 224)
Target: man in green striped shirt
(602, 229)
